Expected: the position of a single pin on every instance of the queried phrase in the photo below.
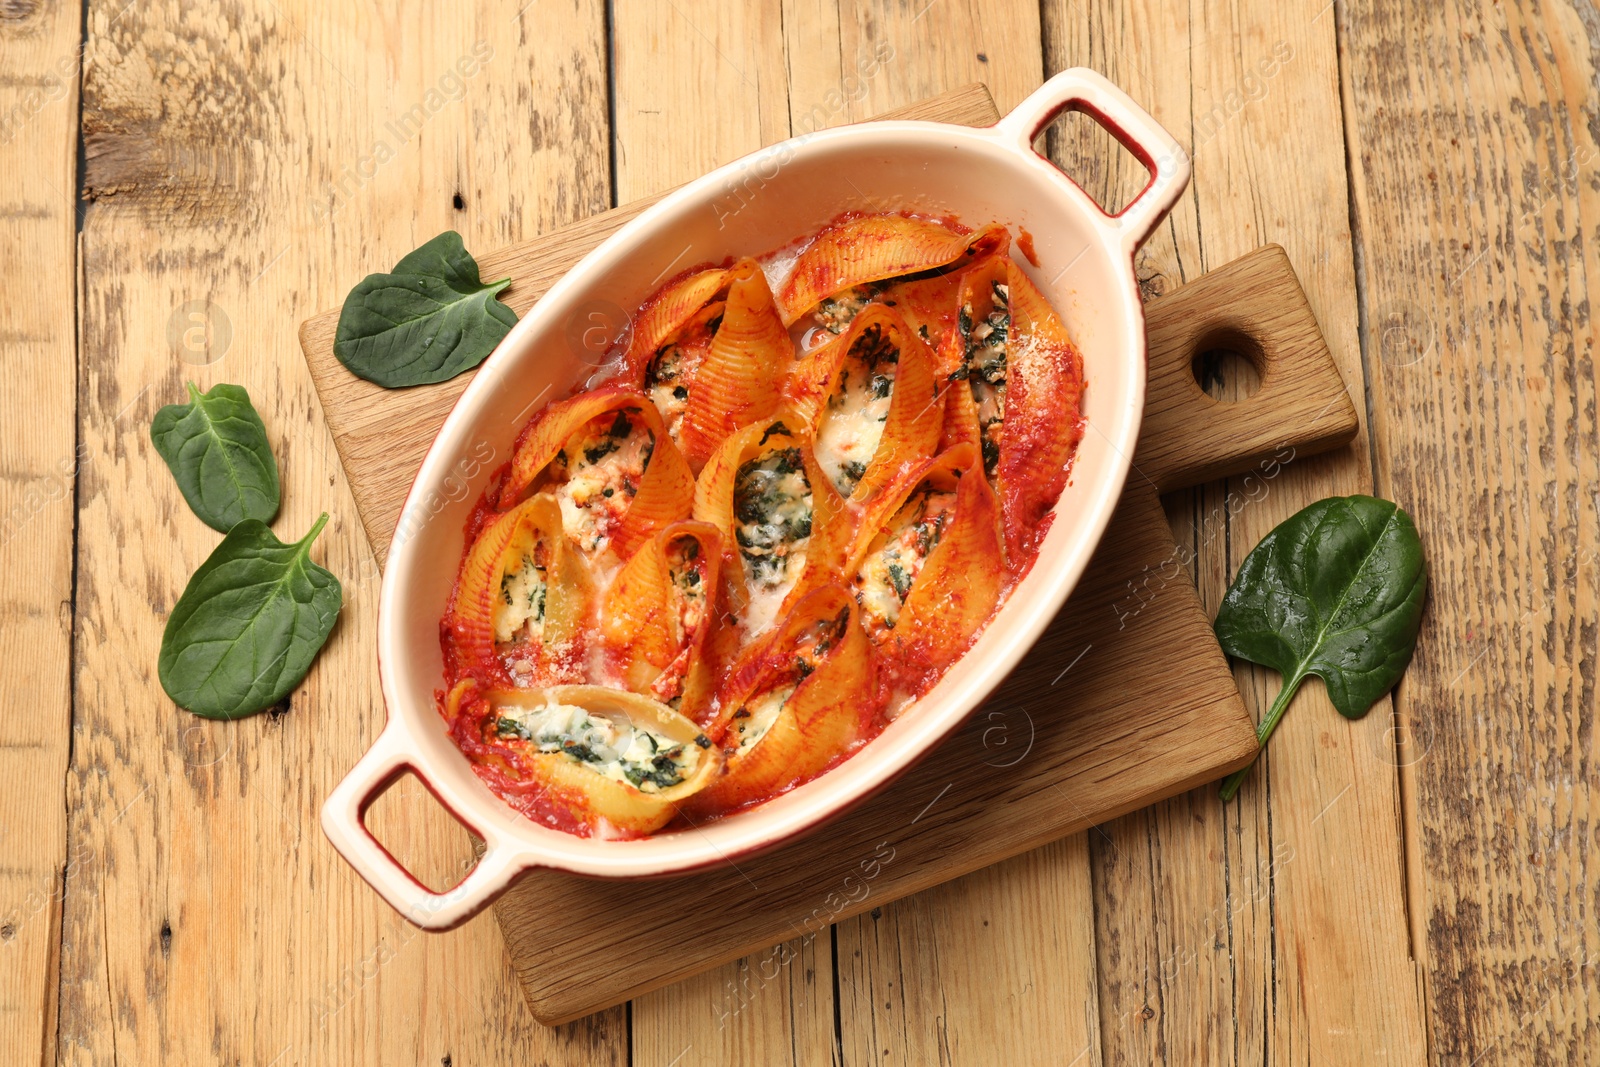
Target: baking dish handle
(344, 821)
(1084, 90)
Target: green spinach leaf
(249, 624)
(217, 450)
(1336, 590)
(426, 321)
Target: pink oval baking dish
(755, 205)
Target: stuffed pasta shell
(522, 600)
(784, 527)
(1021, 405)
(850, 262)
(606, 459)
(928, 566)
(794, 704)
(604, 761)
(657, 612)
(872, 402)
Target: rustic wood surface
(1418, 884)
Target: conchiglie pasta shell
(549, 430)
(869, 248)
(830, 710)
(961, 581)
(666, 489)
(811, 376)
(592, 797)
(960, 419)
(500, 547)
(641, 629)
(916, 405)
(663, 315)
(666, 493)
(740, 380)
(1043, 422)
(928, 304)
(832, 522)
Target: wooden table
(1422, 883)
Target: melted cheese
(897, 557)
(751, 722)
(604, 469)
(672, 400)
(851, 427)
(688, 579)
(621, 751)
(986, 344)
(772, 505)
(835, 312)
(683, 564)
(521, 603)
(667, 380)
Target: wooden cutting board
(1126, 700)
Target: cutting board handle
(1256, 308)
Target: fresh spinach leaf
(248, 625)
(426, 321)
(1335, 590)
(217, 450)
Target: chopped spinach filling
(772, 503)
(641, 757)
(985, 368)
(835, 312)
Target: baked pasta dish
(805, 486)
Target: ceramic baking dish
(1082, 261)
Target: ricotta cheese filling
(897, 557)
(621, 751)
(985, 368)
(751, 722)
(835, 312)
(852, 424)
(772, 507)
(598, 475)
(519, 613)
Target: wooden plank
(1478, 241)
(246, 163)
(1255, 953)
(375, 428)
(39, 61)
(1001, 959)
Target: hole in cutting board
(1094, 159)
(1227, 366)
(421, 834)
